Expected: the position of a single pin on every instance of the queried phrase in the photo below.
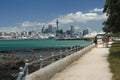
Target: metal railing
(44, 61)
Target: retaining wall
(50, 70)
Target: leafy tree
(112, 9)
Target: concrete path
(91, 66)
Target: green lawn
(114, 60)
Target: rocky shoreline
(9, 68)
(10, 64)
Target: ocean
(38, 44)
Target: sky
(21, 15)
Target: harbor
(59, 40)
(15, 52)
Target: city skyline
(19, 15)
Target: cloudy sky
(19, 15)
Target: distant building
(80, 34)
(50, 28)
(68, 32)
(13, 34)
(72, 29)
(86, 31)
(43, 29)
(0, 33)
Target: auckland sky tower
(57, 22)
(57, 30)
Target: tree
(112, 8)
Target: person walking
(95, 41)
(105, 41)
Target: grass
(114, 60)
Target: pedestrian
(103, 41)
(110, 39)
(95, 41)
(106, 40)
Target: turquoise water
(39, 43)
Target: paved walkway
(91, 66)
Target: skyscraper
(86, 31)
(72, 29)
(43, 29)
(50, 28)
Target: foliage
(112, 8)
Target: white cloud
(29, 24)
(70, 18)
(96, 10)
(81, 17)
(10, 29)
(77, 28)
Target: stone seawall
(50, 70)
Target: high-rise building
(43, 29)
(50, 28)
(86, 31)
(0, 33)
(72, 29)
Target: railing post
(27, 70)
(76, 48)
(41, 62)
(26, 65)
(79, 47)
(66, 52)
(21, 68)
(71, 50)
(21, 73)
(53, 59)
(61, 54)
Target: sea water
(39, 43)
